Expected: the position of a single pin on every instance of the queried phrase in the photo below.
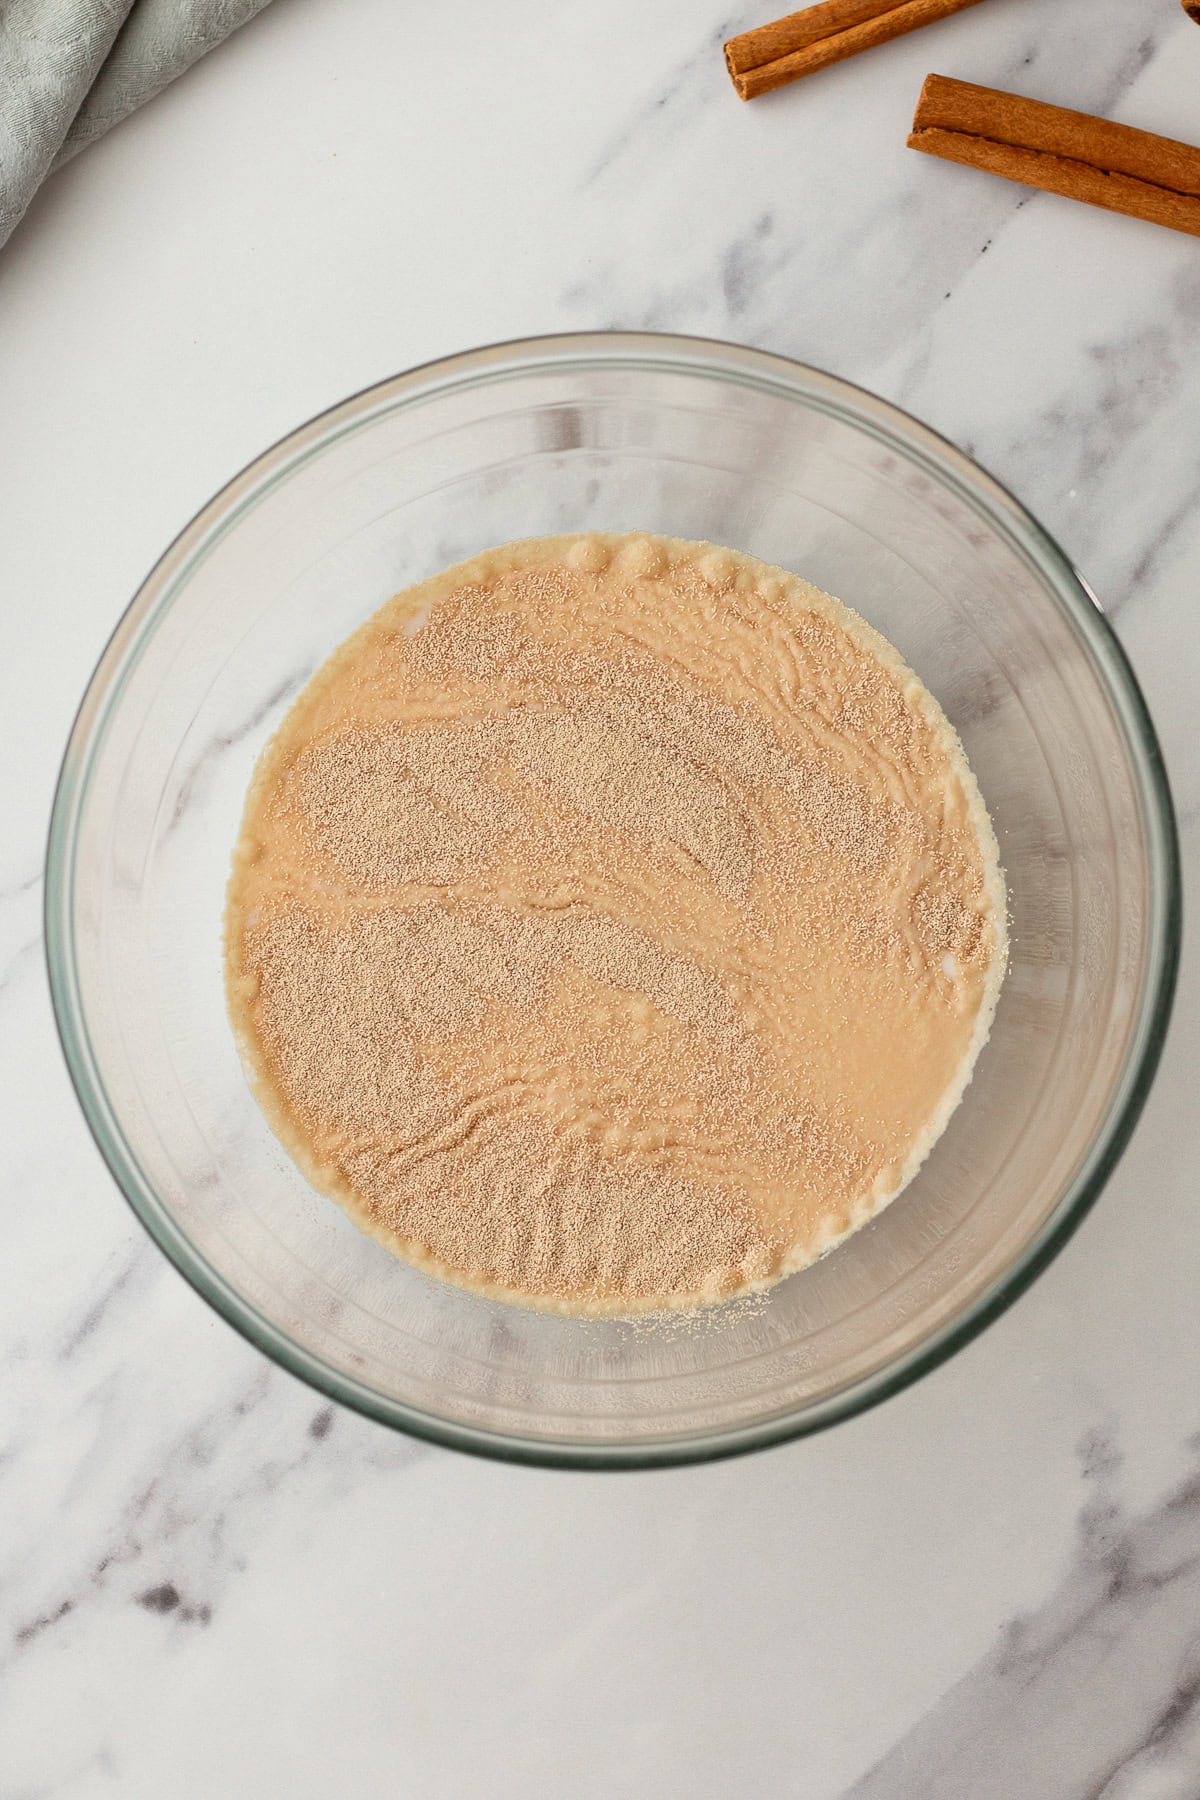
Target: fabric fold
(72, 69)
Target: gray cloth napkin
(70, 69)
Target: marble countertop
(212, 1582)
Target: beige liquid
(614, 925)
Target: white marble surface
(211, 1583)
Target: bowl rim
(823, 392)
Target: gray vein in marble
(1180, 518)
(1109, 456)
(17, 888)
(1173, 1739)
(225, 741)
(674, 97)
(321, 1423)
(166, 1598)
(179, 1539)
(144, 1262)
(1095, 1692)
(24, 956)
(33, 1628)
(19, 905)
(747, 262)
(881, 297)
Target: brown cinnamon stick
(1192, 9)
(1062, 152)
(806, 41)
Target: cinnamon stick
(1060, 151)
(1192, 9)
(806, 41)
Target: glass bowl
(619, 432)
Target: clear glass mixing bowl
(616, 432)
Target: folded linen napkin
(69, 69)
